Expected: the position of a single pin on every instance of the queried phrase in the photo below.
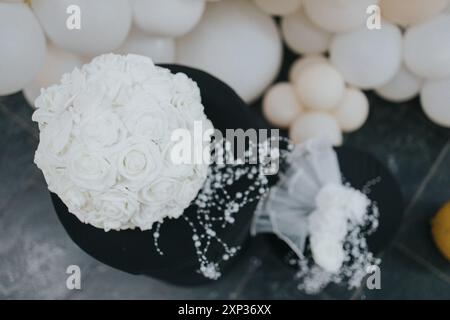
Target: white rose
(114, 209)
(188, 192)
(53, 99)
(147, 216)
(160, 85)
(43, 117)
(75, 198)
(88, 102)
(162, 190)
(140, 68)
(56, 135)
(75, 82)
(184, 86)
(172, 166)
(139, 162)
(91, 170)
(149, 121)
(102, 131)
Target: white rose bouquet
(105, 142)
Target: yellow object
(441, 230)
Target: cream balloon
(408, 12)
(278, 7)
(57, 62)
(435, 98)
(302, 36)
(368, 58)
(302, 63)
(320, 87)
(352, 111)
(315, 125)
(427, 48)
(338, 15)
(22, 51)
(280, 105)
(104, 24)
(167, 18)
(160, 50)
(403, 87)
(236, 43)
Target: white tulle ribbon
(286, 209)
(311, 203)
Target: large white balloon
(302, 36)
(368, 58)
(57, 62)
(104, 24)
(167, 18)
(403, 87)
(237, 43)
(278, 7)
(435, 97)
(161, 50)
(338, 15)
(407, 12)
(427, 48)
(22, 49)
(315, 125)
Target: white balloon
(22, 50)
(352, 111)
(302, 36)
(368, 58)
(403, 87)
(160, 50)
(167, 18)
(407, 12)
(236, 43)
(338, 15)
(278, 7)
(315, 125)
(57, 62)
(320, 87)
(435, 98)
(302, 63)
(104, 24)
(280, 105)
(427, 48)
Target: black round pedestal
(133, 251)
